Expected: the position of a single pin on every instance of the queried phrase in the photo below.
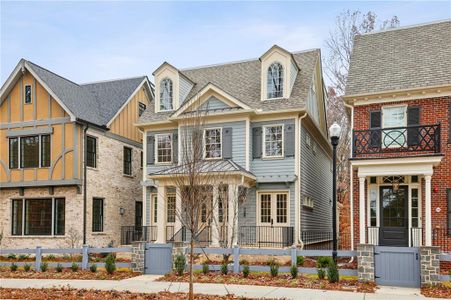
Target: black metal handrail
(413, 138)
(131, 234)
(265, 236)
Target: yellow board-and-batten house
(47, 123)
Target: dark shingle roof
(97, 102)
(242, 81)
(399, 59)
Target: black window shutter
(227, 143)
(257, 142)
(150, 150)
(413, 118)
(375, 123)
(289, 140)
(175, 148)
(448, 192)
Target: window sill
(128, 176)
(213, 158)
(274, 158)
(92, 169)
(99, 233)
(37, 236)
(164, 164)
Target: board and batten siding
(316, 182)
(213, 103)
(152, 168)
(272, 169)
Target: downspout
(85, 197)
(298, 202)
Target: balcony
(390, 142)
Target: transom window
(273, 209)
(166, 94)
(273, 141)
(141, 108)
(415, 208)
(27, 94)
(164, 148)
(170, 208)
(34, 152)
(275, 81)
(38, 216)
(213, 143)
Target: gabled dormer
(278, 73)
(171, 88)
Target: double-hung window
(394, 117)
(127, 161)
(29, 151)
(163, 148)
(91, 152)
(97, 214)
(213, 143)
(166, 95)
(38, 216)
(275, 81)
(273, 141)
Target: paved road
(146, 284)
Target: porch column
(178, 210)
(232, 212)
(427, 213)
(161, 206)
(215, 218)
(362, 210)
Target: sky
(92, 41)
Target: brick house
(399, 95)
(70, 158)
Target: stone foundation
(430, 265)
(138, 257)
(365, 263)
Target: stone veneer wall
(365, 262)
(430, 265)
(138, 256)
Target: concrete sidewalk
(146, 284)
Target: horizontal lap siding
(214, 103)
(316, 182)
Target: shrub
(24, 256)
(246, 271)
(332, 273)
(59, 268)
(93, 268)
(321, 273)
(205, 268)
(322, 263)
(13, 267)
(12, 256)
(244, 262)
(27, 267)
(74, 267)
(273, 268)
(224, 268)
(44, 266)
(300, 261)
(294, 271)
(110, 264)
(179, 264)
(50, 257)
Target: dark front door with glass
(394, 216)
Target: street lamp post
(334, 133)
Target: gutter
(85, 197)
(297, 203)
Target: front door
(394, 216)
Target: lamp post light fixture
(334, 133)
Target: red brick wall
(433, 111)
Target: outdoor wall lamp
(121, 211)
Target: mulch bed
(73, 294)
(438, 291)
(68, 274)
(282, 280)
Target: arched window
(166, 94)
(275, 81)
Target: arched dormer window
(166, 99)
(275, 81)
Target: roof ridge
(111, 80)
(405, 27)
(27, 61)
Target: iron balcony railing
(414, 138)
(131, 234)
(265, 236)
(416, 236)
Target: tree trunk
(191, 260)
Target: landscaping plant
(224, 268)
(13, 267)
(59, 268)
(110, 264)
(12, 256)
(26, 267)
(294, 272)
(273, 268)
(44, 266)
(321, 264)
(205, 268)
(50, 257)
(300, 261)
(332, 272)
(74, 267)
(246, 271)
(93, 268)
(24, 256)
(179, 264)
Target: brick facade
(432, 111)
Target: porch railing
(265, 236)
(415, 138)
(442, 237)
(131, 234)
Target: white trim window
(213, 143)
(273, 208)
(163, 148)
(275, 81)
(392, 117)
(166, 95)
(273, 141)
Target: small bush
(324, 261)
(179, 264)
(93, 268)
(50, 257)
(44, 267)
(294, 271)
(74, 267)
(246, 271)
(59, 268)
(300, 261)
(24, 256)
(224, 268)
(13, 267)
(27, 267)
(12, 256)
(110, 264)
(321, 273)
(244, 262)
(332, 273)
(273, 268)
(205, 268)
